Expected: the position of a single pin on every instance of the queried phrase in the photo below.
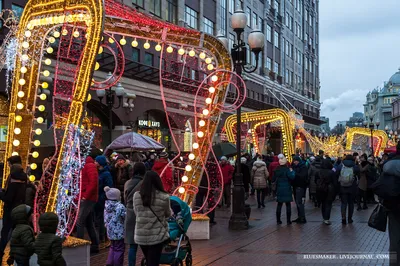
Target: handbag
(378, 218)
(166, 241)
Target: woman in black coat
(326, 183)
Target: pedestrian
(13, 195)
(347, 172)
(162, 167)
(271, 170)
(131, 187)
(283, 175)
(227, 175)
(152, 208)
(326, 184)
(105, 180)
(89, 197)
(48, 246)
(22, 237)
(362, 183)
(122, 173)
(372, 176)
(244, 169)
(114, 219)
(259, 180)
(300, 183)
(315, 166)
(30, 193)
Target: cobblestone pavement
(266, 243)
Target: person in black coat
(245, 170)
(326, 183)
(299, 188)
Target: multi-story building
(325, 126)
(379, 102)
(287, 75)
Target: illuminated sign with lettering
(148, 123)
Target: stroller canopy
(184, 212)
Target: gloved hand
(180, 222)
(10, 260)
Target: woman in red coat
(166, 176)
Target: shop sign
(148, 123)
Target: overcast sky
(359, 50)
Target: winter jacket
(272, 166)
(312, 172)
(122, 174)
(227, 173)
(259, 175)
(105, 180)
(114, 219)
(30, 194)
(131, 186)
(244, 169)
(362, 183)
(301, 177)
(22, 238)
(14, 195)
(392, 168)
(348, 163)
(283, 176)
(48, 246)
(150, 230)
(326, 182)
(90, 181)
(166, 176)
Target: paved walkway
(266, 243)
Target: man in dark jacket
(89, 197)
(123, 172)
(48, 246)
(300, 183)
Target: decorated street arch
(380, 138)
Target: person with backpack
(300, 184)
(259, 181)
(326, 183)
(348, 185)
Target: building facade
(287, 76)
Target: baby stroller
(179, 249)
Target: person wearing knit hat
(122, 172)
(114, 219)
(300, 184)
(15, 159)
(282, 161)
(101, 160)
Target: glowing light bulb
(111, 40)
(181, 190)
(14, 153)
(200, 134)
(41, 108)
(170, 49)
(29, 26)
(214, 78)
(146, 45)
(40, 120)
(195, 145)
(49, 50)
(21, 94)
(45, 85)
(17, 131)
(24, 69)
(33, 166)
(206, 112)
(181, 51)
(20, 106)
(35, 154)
(202, 123)
(64, 32)
(18, 118)
(46, 73)
(28, 33)
(188, 168)
(134, 43)
(38, 131)
(192, 53)
(210, 67)
(211, 89)
(32, 178)
(100, 50)
(208, 101)
(158, 47)
(21, 82)
(208, 60)
(191, 156)
(56, 34)
(43, 96)
(89, 97)
(122, 41)
(75, 34)
(52, 40)
(202, 55)
(25, 45)
(47, 61)
(97, 66)
(16, 143)
(185, 179)
(36, 143)
(25, 57)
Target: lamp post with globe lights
(371, 125)
(256, 39)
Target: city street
(266, 243)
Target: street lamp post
(371, 127)
(110, 94)
(256, 39)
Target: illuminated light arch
(379, 135)
(259, 118)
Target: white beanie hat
(243, 160)
(112, 193)
(283, 161)
(281, 156)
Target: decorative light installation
(380, 138)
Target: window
(17, 9)
(276, 68)
(306, 37)
(254, 20)
(190, 17)
(276, 6)
(306, 15)
(310, 41)
(276, 39)
(311, 67)
(310, 19)
(231, 40)
(291, 23)
(287, 19)
(269, 33)
(223, 17)
(208, 26)
(260, 24)
(193, 74)
(306, 63)
(148, 59)
(138, 2)
(253, 59)
(240, 4)
(155, 7)
(268, 63)
(135, 55)
(171, 11)
(231, 6)
(287, 76)
(291, 50)
(287, 48)
(248, 14)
